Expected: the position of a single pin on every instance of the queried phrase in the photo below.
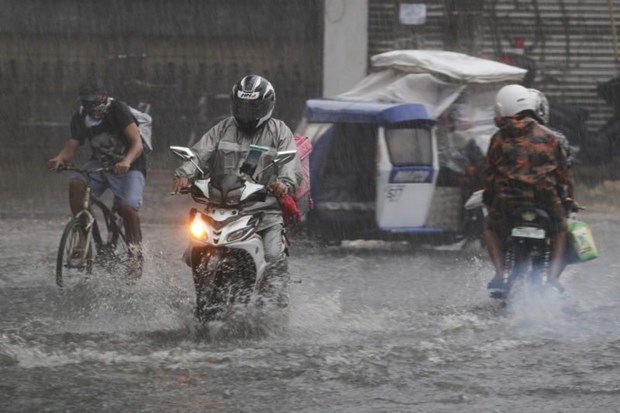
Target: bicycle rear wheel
(75, 254)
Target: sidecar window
(410, 146)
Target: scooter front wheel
(210, 303)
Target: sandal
(497, 284)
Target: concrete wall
(345, 45)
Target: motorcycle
(526, 242)
(226, 253)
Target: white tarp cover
(458, 90)
(397, 87)
(457, 66)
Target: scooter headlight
(198, 228)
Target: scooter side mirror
(283, 157)
(187, 155)
(475, 200)
(182, 152)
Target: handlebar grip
(185, 190)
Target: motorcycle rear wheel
(527, 266)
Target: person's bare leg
(77, 193)
(558, 249)
(491, 239)
(131, 221)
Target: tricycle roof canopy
(325, 110)
(434, 78)
(457, 66)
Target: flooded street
(372, 327)
(398, 112)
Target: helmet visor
(249, 110)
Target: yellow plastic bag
(581, 246)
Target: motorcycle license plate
(528, 232)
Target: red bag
(290, 212)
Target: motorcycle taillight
(528, 215)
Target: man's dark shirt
(107, 138)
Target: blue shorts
(127, 188)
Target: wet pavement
(372, 327)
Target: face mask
(96, 108)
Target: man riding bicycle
(112, 131)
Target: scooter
(526, 242)
(226, 253)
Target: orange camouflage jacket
(525, 162)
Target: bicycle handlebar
(74, 168)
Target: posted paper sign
(412, 13)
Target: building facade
(182, 57)
(572, 44)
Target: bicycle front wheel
(75, 254)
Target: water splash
(111, 303)
(536, 310)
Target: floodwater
(372, 327)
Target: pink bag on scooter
(302, 195)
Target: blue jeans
(127, 188)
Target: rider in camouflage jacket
(526, 163)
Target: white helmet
(514, 99)
(542, 106)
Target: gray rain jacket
(224, 148)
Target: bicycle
(83, 243)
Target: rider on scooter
(224, 148)
(542, 116)
(525, 162)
